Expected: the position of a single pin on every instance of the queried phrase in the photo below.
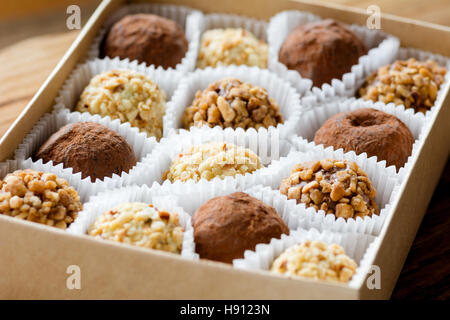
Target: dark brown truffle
(148, 38)
(371, 131)
(224, 227)
(90, 148)
(321, 51)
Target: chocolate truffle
(127, 95)
(147, 38)
(316, 260)
(321, 51)
(140, 224)
(230, 103)
(211, 160)
(224, 47)
(90, 148)
(338, 187)
(39, 197)
(368, 130)
(224, 227)
(413, 83)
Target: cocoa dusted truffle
(224, 227)
(321, 51)
(148, 38)
(368, 130)
(90, 148)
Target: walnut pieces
(409, 82)
(316, 260)
(210, 160)
(127, 95)
(339, 187)
(39, 197)
(224, 47)
(230, 103)
(142, 225)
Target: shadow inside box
(426, 273)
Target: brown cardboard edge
(131, 272)
(41, 103)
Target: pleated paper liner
(382, 50)
(278, 89)
(105, 201)
(52, 122)
(187, 18)
(385, 181)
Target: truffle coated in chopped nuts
(338, 187)
(90, 148)
(224, 227)
(316, 260)
(148, 38)
(368, 130)
(224, 47)
(230, 103)
(39, 197)
(127, 95)
(210, 160)
(321, 51)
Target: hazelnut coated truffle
(321, 51)
(224, 47)
(224, 227)
(147, 38)
(39, 197)
(338, 187)
(414, 84)
(368, 130)
(90, 148)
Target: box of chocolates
(225, 150)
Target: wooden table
(426, 274)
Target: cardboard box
(34, 259)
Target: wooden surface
(426, 274)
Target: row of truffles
(321, 51)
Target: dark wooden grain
(426, 273)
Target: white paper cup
(152, 168)
(109, 199)
(278, 89)
(354, 245)
(319, 112)
(382, 50)
(167, 80)
(385, 181)
(186, 18)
